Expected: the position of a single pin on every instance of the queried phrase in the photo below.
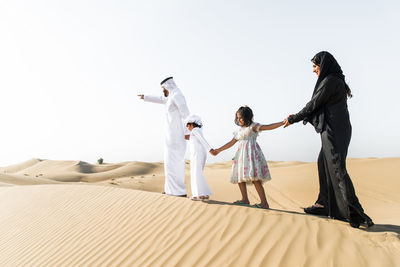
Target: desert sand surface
(73, 213)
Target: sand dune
(89, 215)
(80, 171)
(91, 225)
(6, 179)
(20, 166)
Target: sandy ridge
(75, 213)
(96, 225)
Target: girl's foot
(261, 206)
(241, 202)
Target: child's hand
(214, 152)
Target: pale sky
(70, 72)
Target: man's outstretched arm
(154, 99)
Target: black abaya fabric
(327, 112)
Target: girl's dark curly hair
(247, 115)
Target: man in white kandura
(176, 133)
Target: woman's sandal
(316, 210)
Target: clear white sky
(70, 72)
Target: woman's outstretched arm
(324, 92)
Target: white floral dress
(249, 163)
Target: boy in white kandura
(198, 155)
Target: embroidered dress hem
(250, 180)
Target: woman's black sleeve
(320, 98)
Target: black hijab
(328, 66)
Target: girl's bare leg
(243, 190)
(261, 193)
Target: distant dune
(73, 213)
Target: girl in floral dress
(249, 164)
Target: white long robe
(198, 155)
(176, 112)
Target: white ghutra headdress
(194, 119)
(170, 85)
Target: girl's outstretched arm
(226, 146)
(271, 126)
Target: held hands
(214, 152)
(286, 121)
(141, 96)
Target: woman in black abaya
(327, 112)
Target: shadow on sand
(377, 228)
